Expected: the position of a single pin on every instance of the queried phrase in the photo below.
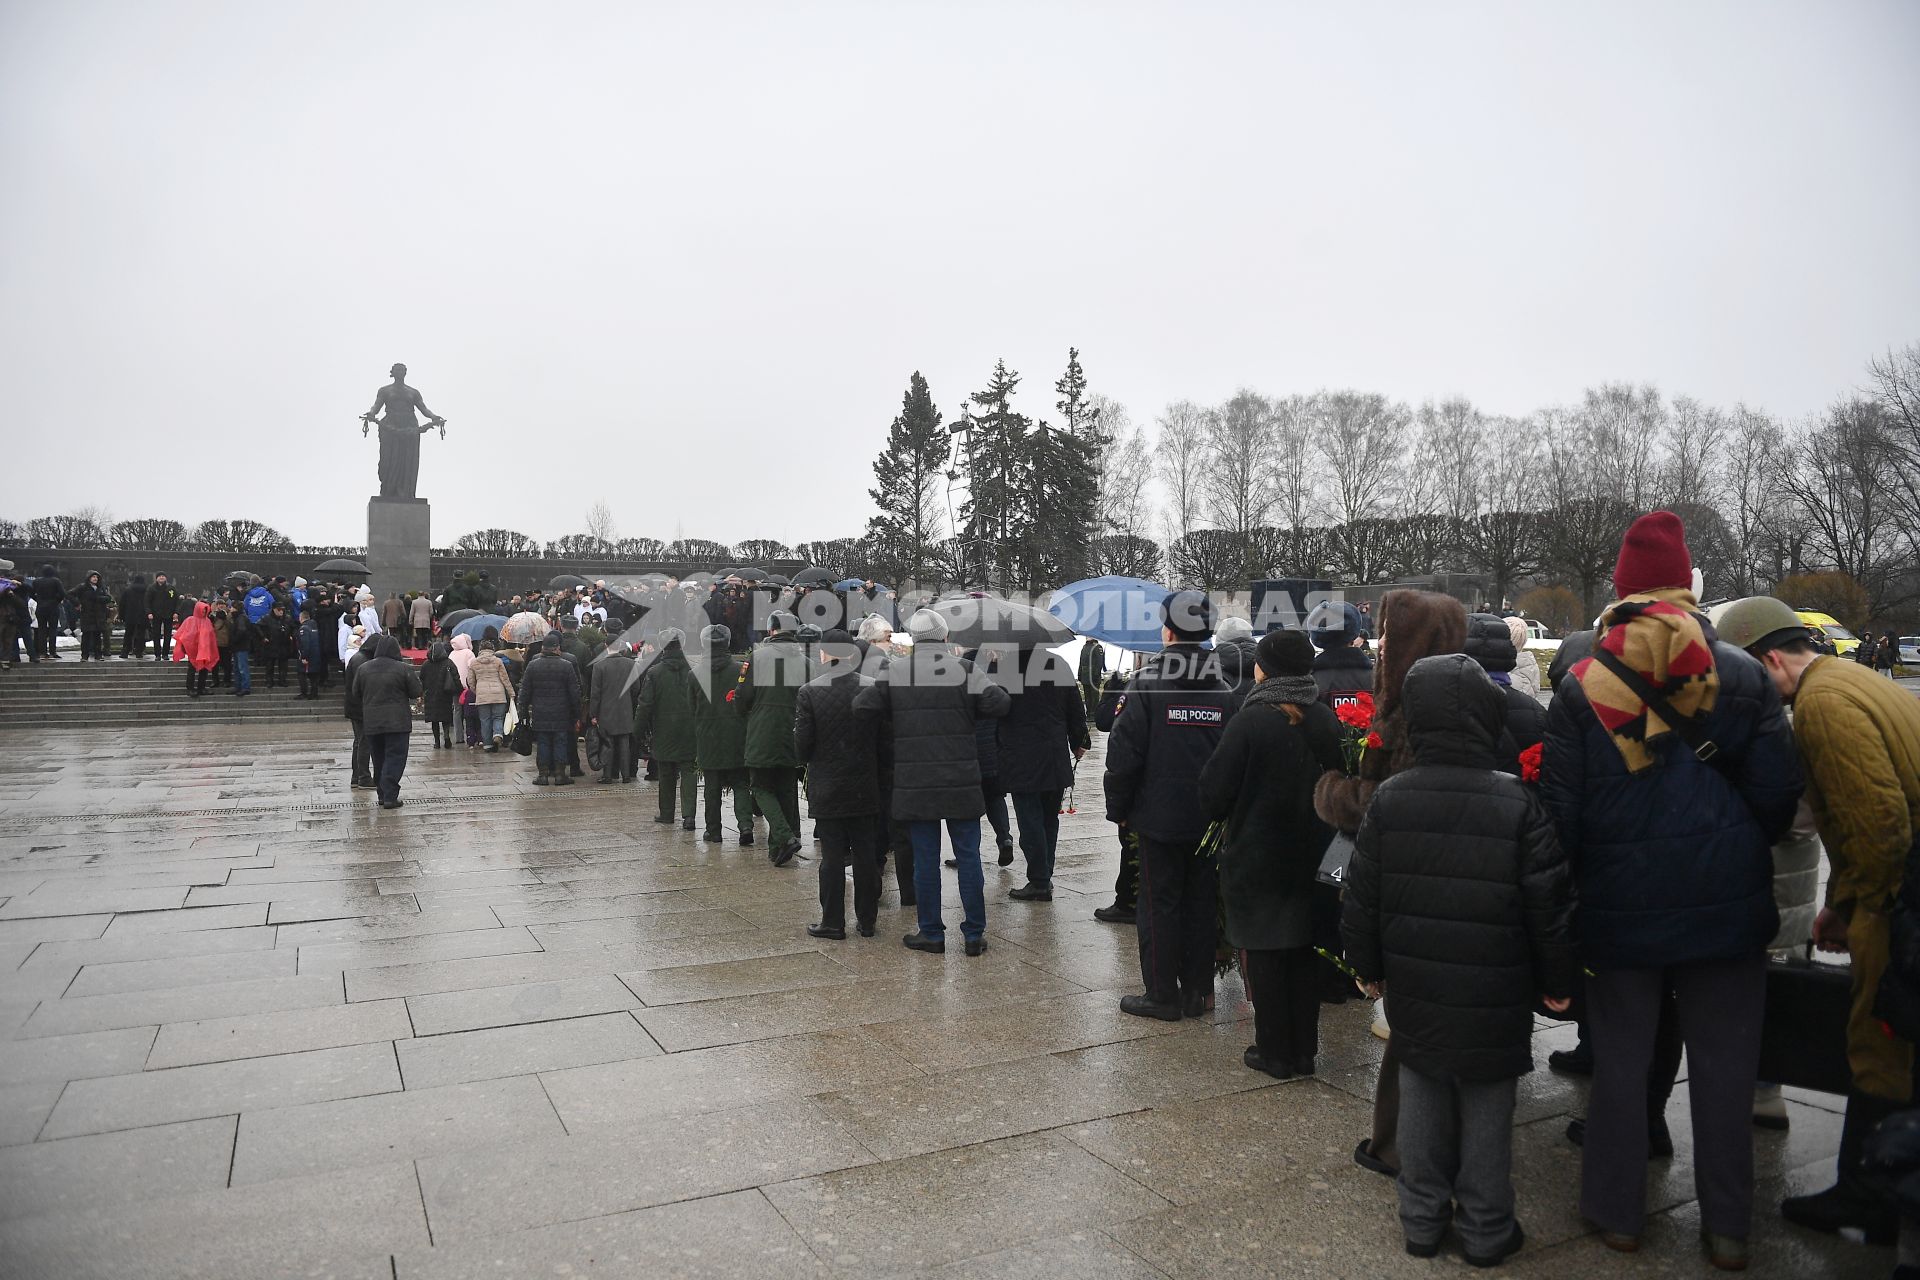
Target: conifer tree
(907, 476)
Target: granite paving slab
(517, 1050)
(255, 1035)
(24, 1109)
(181, 971)
(222, 1088)
(292, 1141)
(115, 1168)
(607, 1171)
(249, 913)
(503, 1006)
(75, 1057)
(932, 1209)
(338, 1226)
(186, 1004)
(717, 1238)
(334, 957)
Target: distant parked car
(1542, 644)
(1910, 651)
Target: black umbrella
(777, 579)
(726, 573)
(807, 577)
(341, 565)
(454, 619)
(973, 621)
(240, 578)
(565, 582)
(749, 574)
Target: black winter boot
(1852, 1201)
(543, 780)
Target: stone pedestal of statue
(399, 546)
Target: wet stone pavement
(253, 1026)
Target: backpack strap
(1692, 730)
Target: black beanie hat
(1285, 653)
(1188, 614)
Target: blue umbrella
(1124, 612)
(473, 627)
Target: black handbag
(1333, 863)
(1803, 1036)
(596, 746)
(521, 743)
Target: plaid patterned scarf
(1658, 635)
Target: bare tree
(1837, 478)
(1696, 441)
(600, 523)
(496, 542)
(239, 535)
(1182, 463)
(1751, 462)
(754, 550)
(1621, 425)
(1362, 437)
(1448, 461)
(65, 531)
(147, 535)
(639, 548)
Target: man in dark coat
(841, 754)
(161, 603)
(1040, 740)
(1458, 902)
(582, 655)
(925, 705)
(387, 686)
(720, 734)
(313, 648)
(769, 684)
(1671, 849)
(610, 708)
(664, 712)
(1171, 718)
(93, 607)
(133, 619)
(550, 701)
(1233, 641)
(48, 594)
(1490, 644)
(1126, 884)
(278, 644)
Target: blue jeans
(550, 748)
(242, 671)
(493, 720)
(964, 833)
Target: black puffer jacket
(1170, 720)
(926, 704)
(839, 749)
(1675, 863)
(386, 687)
(1459, 898)
(1490, 644)
(161, 600)
(48, 594)
(1236, 665)
(550, 693)
(1339, 671)
(1046, 721)
(92, 603)
(1261, 780)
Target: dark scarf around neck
(1301, 690)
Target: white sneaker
(1380, 1027)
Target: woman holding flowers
(1260, 782)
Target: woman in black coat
(1260, 780)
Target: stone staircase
(115, 694)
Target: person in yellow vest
(1859, 738)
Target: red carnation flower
(1530, 762)
(1373, 741)
(730, 694)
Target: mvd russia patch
(1197, 715)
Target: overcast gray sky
(684, 257)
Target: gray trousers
(1456, 1160)
(1720, 1004)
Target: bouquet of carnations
(1358, 736)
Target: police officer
(1169, 722)
(1342, 665)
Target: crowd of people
(1374, 804)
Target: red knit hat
(1653, 556)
